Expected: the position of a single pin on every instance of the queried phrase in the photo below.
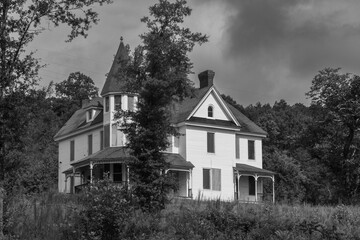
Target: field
(58, 216)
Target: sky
(260, 50)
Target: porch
(249, 183)
(110, 162)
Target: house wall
(80, 150)
(218, 111)
(224, 158)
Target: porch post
(273, 181)
(256, 187)
(91, 172)
(72, 182)
(191, 184)
(238, 185)
(127, 176)
(66, 177)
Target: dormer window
(211, 111)
(90, 115)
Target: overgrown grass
(58, 216)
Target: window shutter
(206, 178)
(216, 179)
(210, 143)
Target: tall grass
(56, 216)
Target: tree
(337, 96)
(76, 88)
(160, 69)
(71, 92)
(20, 22)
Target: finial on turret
(121, 39)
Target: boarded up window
(251, 185)
(72, 150)
(206, 178)
(210, 143)
(212, 179)
(216, 179)
(237, 147)
(117, 172)
(117, 102)
(251, 149)
(131, 103)
(101, 140)
(90, 144)
(107, 136)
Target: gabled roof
(183, 110)
(78, 122)
(113, 82)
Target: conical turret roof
(113, 82)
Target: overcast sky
(260, 50)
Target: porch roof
(120, 154)
(247, 169)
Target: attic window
(211, 111)
(90, 115)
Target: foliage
(58, 216)
(158, 73)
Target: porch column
(238, 185)
(91, 172)
(190, 184)
(256, 187)
(273, 181)
(66, 177)
(128, 177)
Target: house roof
(113, 82)
(120, 154)
(247, 169)
(78, 122)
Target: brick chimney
(206, 78)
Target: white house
(218, 153)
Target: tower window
(117, 102)
(210, 111)
(107, 102)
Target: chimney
(206, 78)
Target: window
(72, 150)
(117, 172)
(251, 181)
(107, 135)
(131, 103)
(210, 142)
(117, 102)
(212, 179)
(210, 111)
(237, 147)
(90, 114)
(251, 149)
(107, 102)
(101, 140)
(90, 144)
